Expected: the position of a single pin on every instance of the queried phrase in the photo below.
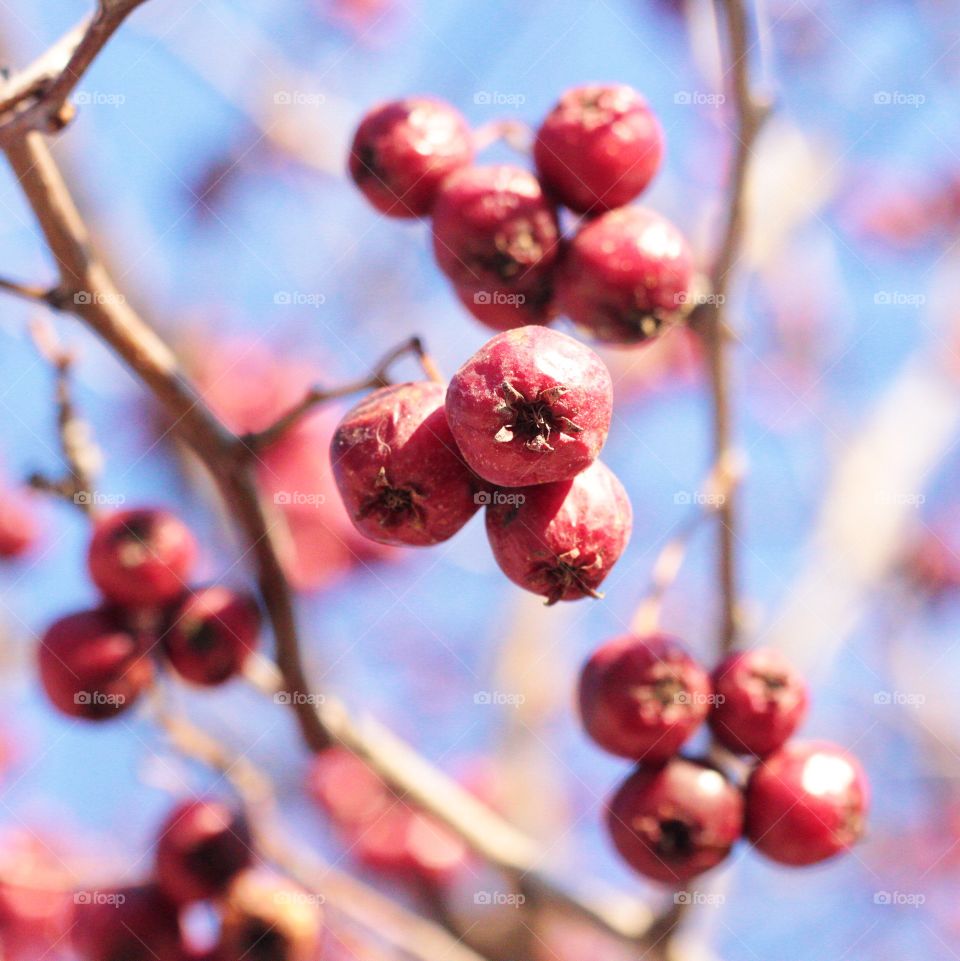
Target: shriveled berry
(494, 232)
(675, 821)
(643, 697)
(132, 924)
(560, 540)
(201, 847)
(806, 802)
(505, 311)
(403, 149)
(625, 275)
(268, 918)
(91, 666)
(398, 469)
(761, 700)
(141, 557)
(599, 147)
(532, 406)
(211, 633)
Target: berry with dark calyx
(599, 147)
(268, 918)
(505, 311)
(141, 557)
(643, 697)
(398, 469)
(560, 540)
(532, 406)
(201, 847)
(675, 821)
(132, 924)
(761, 700)
(211, 633)
(495, 232)
(806, 802)
(92, 666)
(625, 275)
(403, 149)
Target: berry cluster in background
(528, 414)
(674, 817)
(620, 275)
(96, 663)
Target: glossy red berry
(625, 275)
(761, 699)
(403, 150)
(806, 803)
(599, 147)
(561, 540)
(532, 406)
(268, 918)
(201, 847)
(133, 924)
(643, 697)
(141, 557)
(398, 469)
(91, 666)
(211, 633)
(495, 233)
(675, 821)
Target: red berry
(625, 274)
(132, 924)
(211, 634)
(504, 311)
(403, 149)
(495, 233)
(141, 557)
(398, 469)
(560, 540)
(599, 147)
(761, 700)
(806, 803)
(532, 406)
(675, 821)
(91, 666)
(643, 697)
(347, 789)
(201, 847)
(268, 918)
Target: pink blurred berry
(761, 700)
(403, 150)
(599, 147)
(495, 233)
(560, 540)
(625, 275)
(643, 697)
(532, 406)
(398, 469)
(19, 528)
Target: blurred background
(208, 157)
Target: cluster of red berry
(529, 413)
(203, 856)
(95, 663)
(625, 271)
(642, 698)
